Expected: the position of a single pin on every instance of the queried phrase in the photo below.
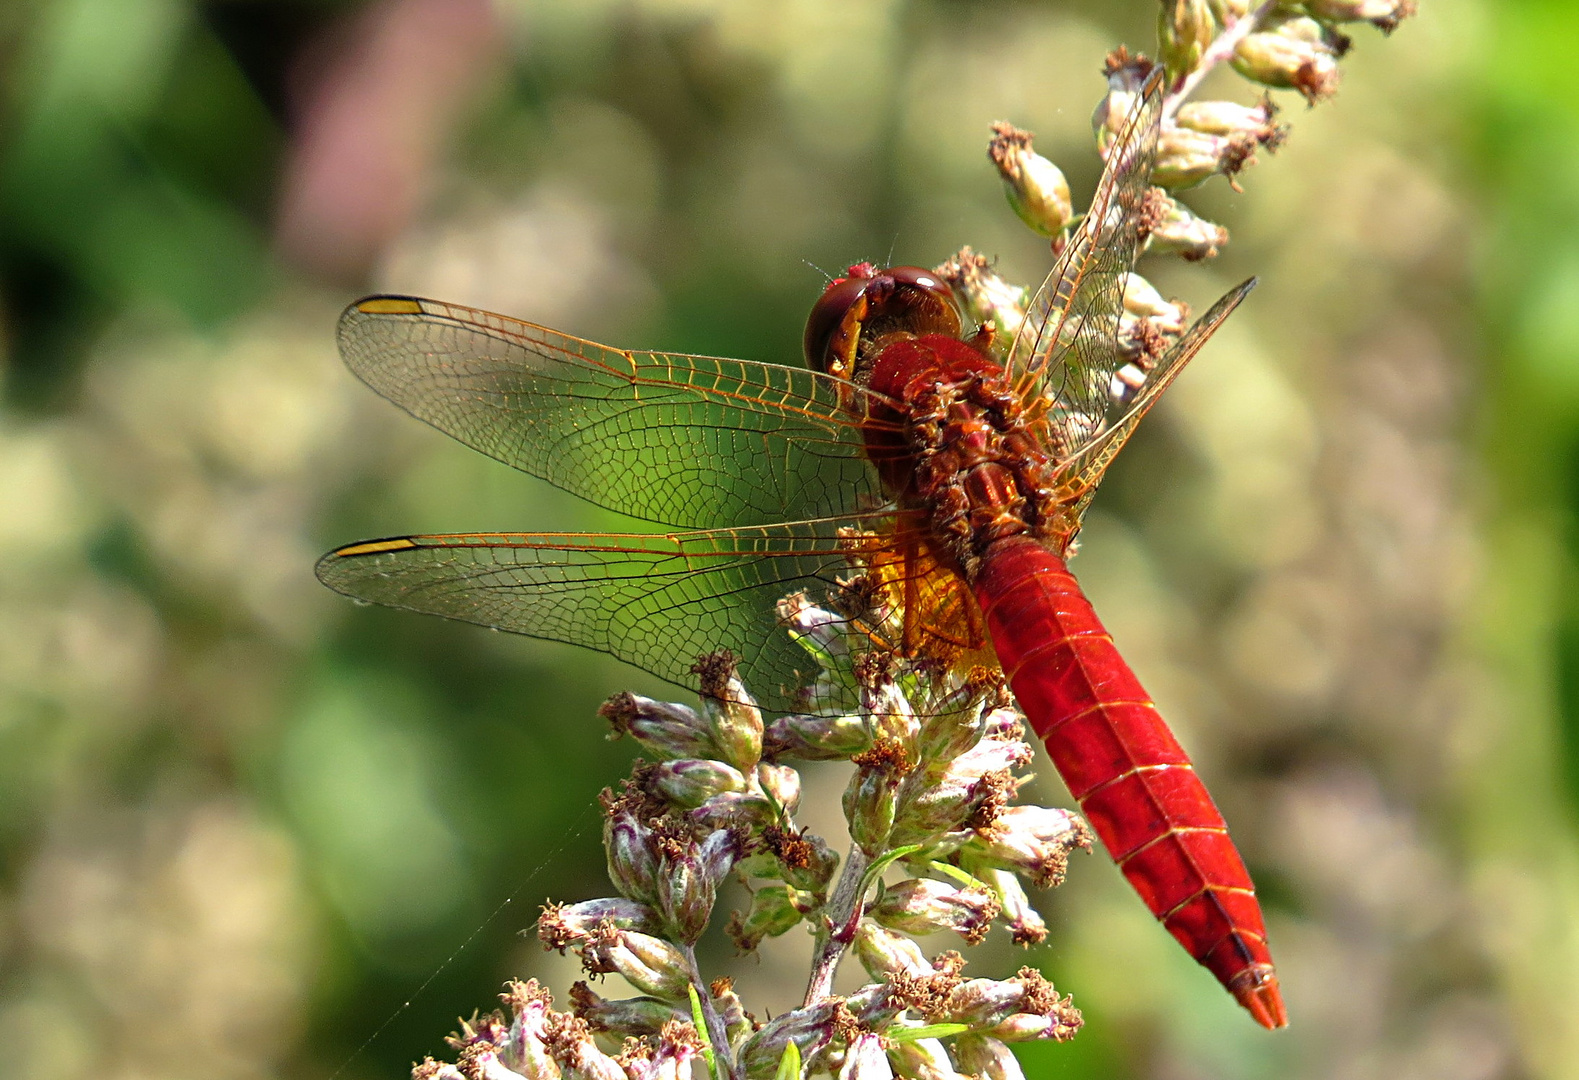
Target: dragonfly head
(867, 309)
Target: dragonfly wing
(657, 602)
(1066, 349)
(1092, 459)
(686, 441)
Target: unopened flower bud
(1229, 118)
(1142, 300)
(807, 1028)
(948, 733)
(1035, 186)
(1175, 229)
(1228, 12)
(774, 910)
(781, 784)
(988, 299)
(817, 738)
(987, 1058)
(883, 952)
(649, 963)
(1295, 54)
(1032, 840)
(727, 808)
(629, 1016)
(633, 866)
(1186, 157)
(688, 881)
(865, 1059)
(736, 720)
(1383, 14)
(819, 629)
(665, 727)
(923, 906)
(563, 925)
(921, 1059)
(692, 781)
(737, 1022)
(1184, 30)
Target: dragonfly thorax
(957, 447)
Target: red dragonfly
(968, 468)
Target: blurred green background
(242, 820)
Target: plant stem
(844, 915)
(1221, 49)
(717, 1034)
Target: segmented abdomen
(1130, 776)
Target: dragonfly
(963, 465)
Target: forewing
(685, 441)
(1092, 459)
(657, 602)
(1066, 351)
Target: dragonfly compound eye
(868, 307)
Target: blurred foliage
(242, 821)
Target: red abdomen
(1130, 776)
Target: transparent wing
(1091, 460)
(1066, 350)
(657, 602)
(685, 441)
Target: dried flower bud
(1056, 1025)
(987, 1058)
(817, 738)
(774, 910)
(988, 299)
(1174, 229)
(633, 865)
(1184, 30)
(1125, 75)
(1383, 14)
(922, 1059)
(563, 925)
(649, 963)
(983, 1002)
(428, 1069)
(883, 952)
(481, 1062)
(1025, 923)
(570, 1040)
(692, 781)
(688, 881)
(1032, 840)
(1294, 54)
(736, 720)
(871, 797)
(667, 728)
(920, 906)
(865, 1059)
(1035, 186)
(737, 1022)
(629, 1016)
(524, 1046)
